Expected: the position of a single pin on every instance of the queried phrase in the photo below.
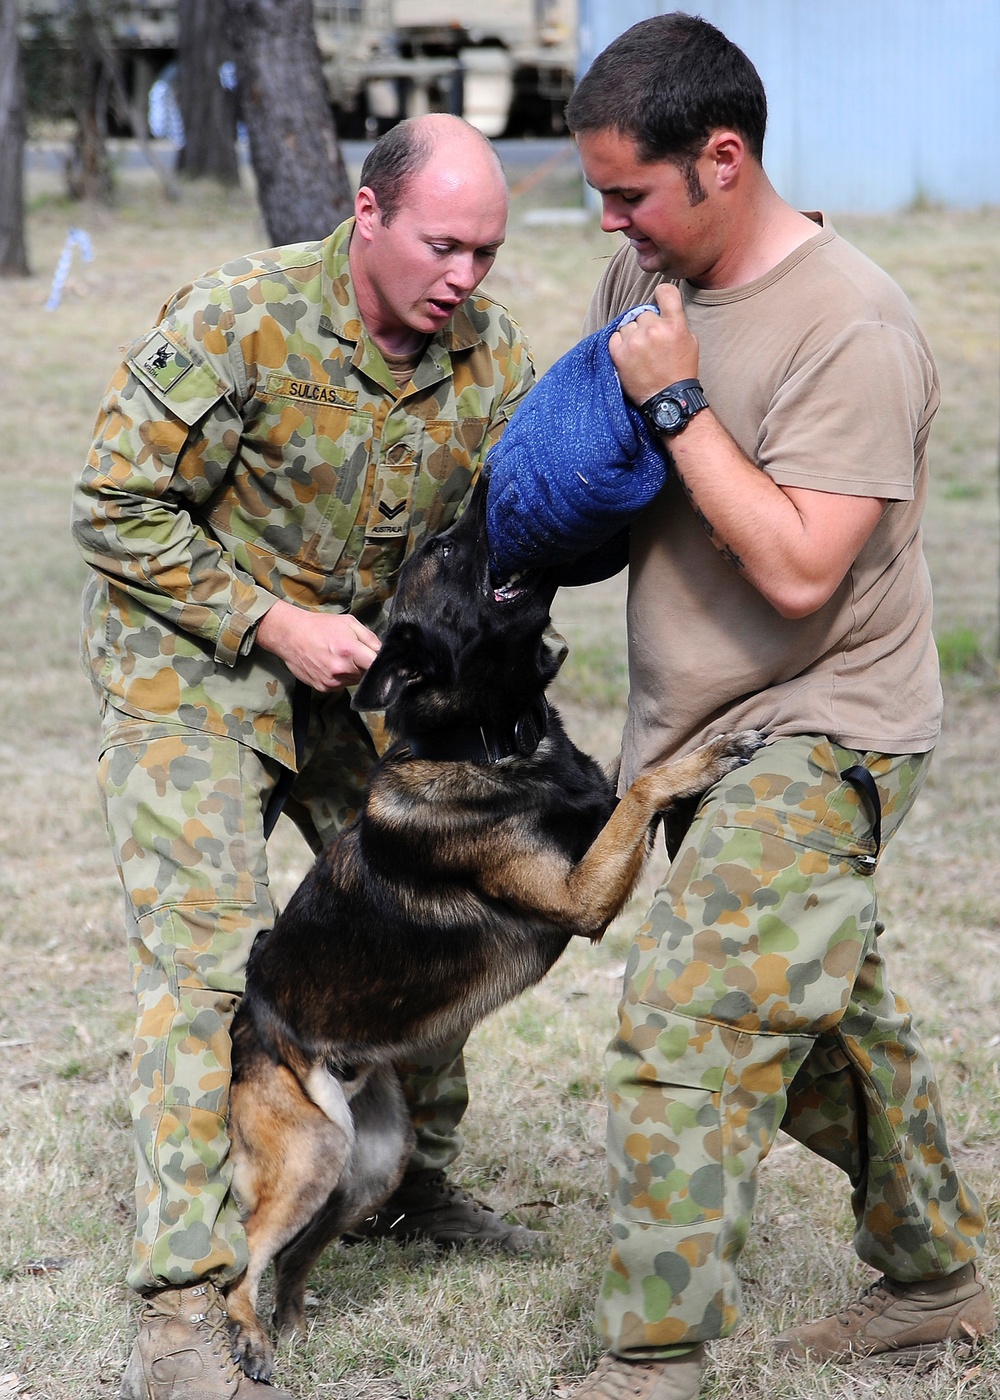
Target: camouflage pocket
(179, 806)
(301, 479)
(689, 1102)
(655, 1104)
(815, 807)
(452, 452)
(762, 921)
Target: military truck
(506, 65)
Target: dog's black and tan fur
(458, 886)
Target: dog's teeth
(509, 588)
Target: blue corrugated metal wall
(873, 103)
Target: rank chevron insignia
(390, 512)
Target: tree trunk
(13, 254)
(301, 178)
(207, 108)
(88, 169)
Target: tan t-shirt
(401, 367)
(821, 374)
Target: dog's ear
(403, 658)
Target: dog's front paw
(744, 744)
(692, 774)
(727, 753)
(252, 1351)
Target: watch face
(667, 414)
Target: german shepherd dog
(486, 841)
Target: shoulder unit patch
(162, 361)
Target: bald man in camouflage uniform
(264, 460)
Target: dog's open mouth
(512, 589)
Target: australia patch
(162, 362)
(389, 520)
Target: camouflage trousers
(756, 998)
(185, 813)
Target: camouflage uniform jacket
(254, 446)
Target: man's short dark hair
(668, 83)
(392, 162)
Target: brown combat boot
(675, 1378)
(183, 1352)
(900, 1323)
(426, 1205)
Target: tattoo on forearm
(726, 550)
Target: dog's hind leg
(382, 1143)
(288, 1157)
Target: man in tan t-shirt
(777, 582)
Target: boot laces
(214, 1324)
(447, 1192)
(866, 1303)
(453, 1192)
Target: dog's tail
(329, 1083)
(318, 1081)
(327, 1093)
(327, 1080)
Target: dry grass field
(408, 1323)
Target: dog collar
(486, 743)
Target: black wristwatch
(671, 410)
